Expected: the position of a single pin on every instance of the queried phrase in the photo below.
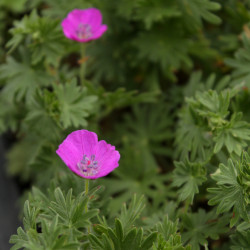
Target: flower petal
(107, 157)
(91, 17)
(75, 16)
(77, 144)
(98, 33)
(94, 18)
(69, 29)
(69, 154)
(83, 142)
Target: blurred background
(154, 56)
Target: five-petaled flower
(86, 156)
(84, 25)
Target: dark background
(8, 201)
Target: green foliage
(115, 239)
(25, 150)
(174, 243)
(60, 218)
(146, 130)
(43, 37)
(241, 240)
(174, 47)
(168, 238)
(13, 5)
(22, 79)
(201, 225)
(43, 112)
(188, 177)
(196, 10)
(120, 98)
(241, 61)
(207, 116)
(148, 183)
(151, 12)
(74, 104)
(9, 117)
(233, 189)
(124, 235)
(234, 135)
(196, 83)
(192, 136)
(159, 23)
(163, 86)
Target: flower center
(88, 167)
(83, 31)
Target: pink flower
(86, 156)
(84, 25)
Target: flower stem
(187, 203)
(83, 63)
(86, 192)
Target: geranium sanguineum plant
(86, 156)
(83, 26)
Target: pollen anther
(88, 167)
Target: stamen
(83, 31)
(88, 167)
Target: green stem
(187, 203)
(86, 192)
(83, 63)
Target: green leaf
(173, 243)
(192, 136)
(44, 36)
(129, 239)
(211, 110)
(233, 135)
(119, 230)
(95, 242)
(167, 227)
(196, 83)
(148, 242)
(232, 190)
(151, 12)
(73, 103)
(20, 240)
(121, 98)
(210, 103)
(241, 62)
(22, 79)
(43, 113)
(148, 128)
(189, 176)
(107, 243)
(201, 225)
(30, 215)
(130, 214)
(170, 51)
(196, 10)
(244, 226)
(241, 240)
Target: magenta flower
(84, 25)
(86, 156)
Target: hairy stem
(86, 192)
